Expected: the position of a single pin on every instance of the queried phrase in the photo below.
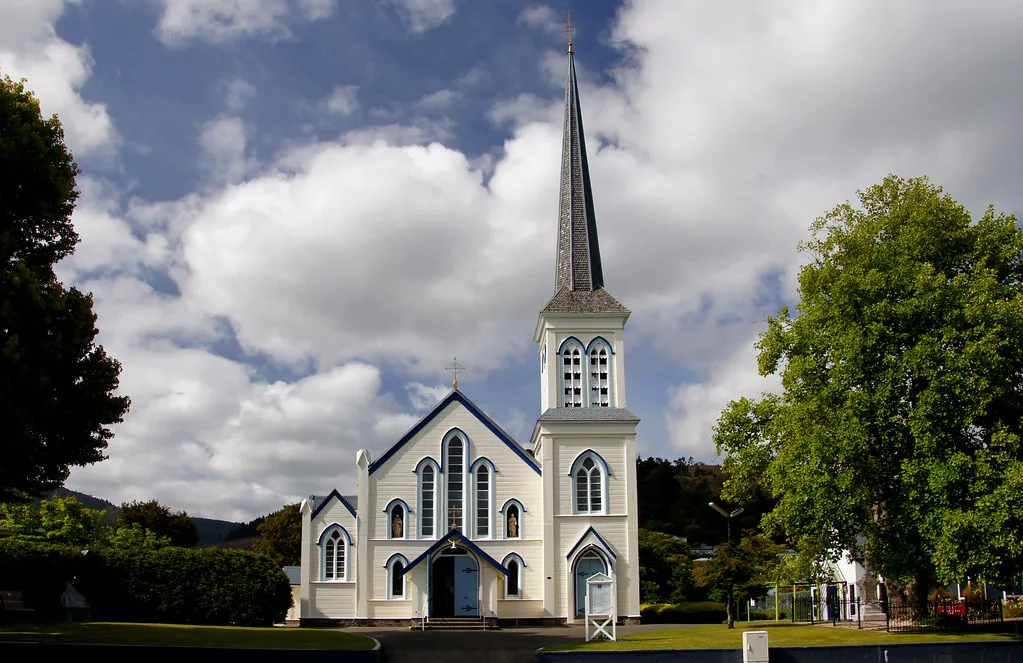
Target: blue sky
(295, 212)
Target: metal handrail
(479, 611)
(426, 609)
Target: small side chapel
(456, 518)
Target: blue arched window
(589, 483)
(454, 468)
(427, 472)
(514, 581)
(397, 519)
(335, 546)
(396, 580)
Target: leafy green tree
(280, 536)
(56, 385)
(897, 435)
(155, 517)
(666, 571)
(57, 519)
(747, 568)
(135, 537)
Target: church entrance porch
(454, 584)
(588, 564)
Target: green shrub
(1013, 607)
(211, 586)
(696, 612)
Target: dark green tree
(745, 568)
(666, 571)
(280, 536)
(56, 385)
(901, 410)
(157, 518)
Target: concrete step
(455, 624)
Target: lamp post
(729, 515)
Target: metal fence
(940, 615)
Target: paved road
(509, 645)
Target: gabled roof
(604, 545)
(456, 396)
(318, 503)
(584, 301)
(455, 535)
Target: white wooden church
(456, 518)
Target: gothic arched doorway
(454, 584)
(587, 564)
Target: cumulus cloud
(219, 21)
(343, 100)
(423, 15)
(237, 94)
(223, 142)
(56, 71)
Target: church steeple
(578, 263)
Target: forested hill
(210, 530)
(674, 497)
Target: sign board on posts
(600, 602)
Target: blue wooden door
(589, 564)
(467, 576)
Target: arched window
(513, 584)
(455, 469)
(572, 375)
(513, 519)
(427, 470)
(589, 473)
(395, 576)
(600, 383)
(483, 501)
(334, 544)
(397, 519)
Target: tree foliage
(280, 536)
(62, 520)
(56, 384)
(897, 435)
(746, 568)
(665, 571)
(155, 517)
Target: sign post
(601, 607)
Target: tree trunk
(730, 608)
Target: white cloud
(423, 15)
(237, 94)
(219, 21)
(223, 142)
(542, 17)
(55, 70)
(424, 397)
(343, 100)
(437, 101)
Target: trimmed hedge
(697, 612)
(211, 586)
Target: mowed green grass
(716, 636)
(185, 636)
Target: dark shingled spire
(578, 266)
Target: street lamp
(729, 515)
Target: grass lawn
(779, 635)
(187, 636)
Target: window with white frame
(513, 580)
(334, 553)
(396, 577)
(427, 499)
(572, 375)
(600, 384)
(483, 493)
(589, 476)
(455, 469)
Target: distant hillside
(211, 530)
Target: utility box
(754, 647)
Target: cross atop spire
(455, 368)
(570, 31)
(578, 264)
